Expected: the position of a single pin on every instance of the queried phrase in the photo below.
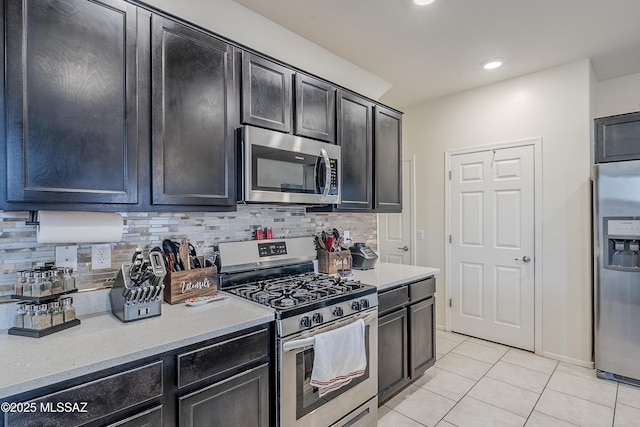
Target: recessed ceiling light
(492, 64)
(423, 2)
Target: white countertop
(102, 341)
(387, 275)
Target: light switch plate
(420, 234)
(100, 256)
(67, 256)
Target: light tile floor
(477, 383)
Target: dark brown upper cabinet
(388, 153)
(266, 93)
(355, 137)
(71, 102)
(192, 97)
(315, 108)
(617, 138)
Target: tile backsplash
(19, 249)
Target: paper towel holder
(33, 218)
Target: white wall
(618, 96)
(554, 105)
(235, 22)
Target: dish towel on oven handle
(339, 357)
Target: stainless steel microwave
(283, 168)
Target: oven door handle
(310, 341)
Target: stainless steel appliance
(362, 257)
(279, 273)
(138, 290)
(617, 270)
(283, 168)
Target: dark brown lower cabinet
(231, 389)
(406, 335)
(392, 359)
(239, 401)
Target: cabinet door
(422, 342)
(617, 138)
(71, 101)
(388, 154)
(240, 401)
(192, 93)
(392, 354)
(355, 137)
(315, 108)
(266, 93)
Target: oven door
(284, 168)
(299, 403)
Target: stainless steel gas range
(279, 273)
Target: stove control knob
(337, 311)
(305, 322)
(317, 318)
(355, 306)
(364, 303)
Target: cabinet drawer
(103, 397)
(392, 299)
(152, 417)
(422, 289)
(215, 359)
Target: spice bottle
(68, 310)
(69, 280)
(57, 317)
(57, 281)
(42, 318)
(28, 317)
(28, 288)
(45, 287)
(20, 281)
(20, 313)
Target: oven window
(285, 171)
(307, 397)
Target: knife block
(129, 302)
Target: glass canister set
(45, 307)
(44, 283)
(46, 315)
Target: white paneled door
(492, 245)
(395, 229)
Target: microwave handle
(327, 178)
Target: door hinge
(450, 239)
(449, 175)
(450, 302)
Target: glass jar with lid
(21, 279)
(57, 281)
(20, 313)
(68, 310)
(42, 319)
(30, 310)
(31, 284)
(57, 317)
(45, 286)
(69, 280)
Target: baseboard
(584, 364)
(440, 327)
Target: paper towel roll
(79, 227)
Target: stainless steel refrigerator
(617, 270)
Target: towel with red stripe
(339, 357)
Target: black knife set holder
(139, 297)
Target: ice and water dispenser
(622, 235)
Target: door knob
(406, 248)
(524, 259)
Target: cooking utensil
(330, 243)
(319, 243)
(195, 302)
(184, 255)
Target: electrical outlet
(100, 256)
(67, 256)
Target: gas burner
(292, 291)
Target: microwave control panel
(334, 176)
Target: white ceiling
(432, 51)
